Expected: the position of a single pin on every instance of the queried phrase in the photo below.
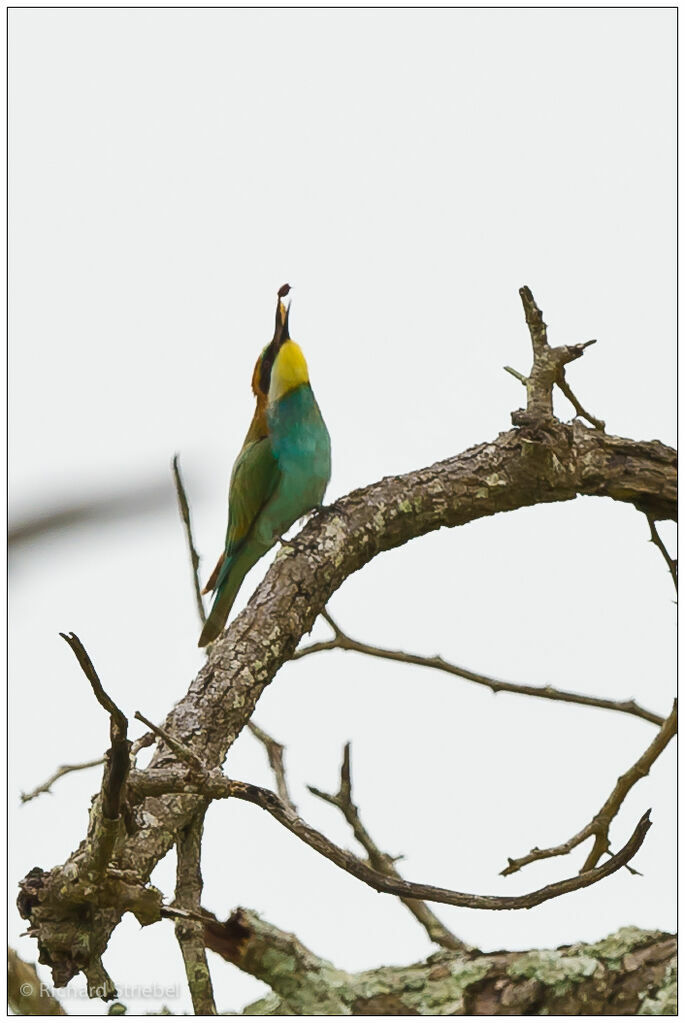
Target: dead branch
(275, 752)
(565, 389)
(180, 749)
(217, 786)
(601, 822)
(60, 772)
(184, 509)
(434, 927)
(341, 641)
(64, 769)
(671, 563)
(106, 818)
(189, 932)
(547, 370)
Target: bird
(281, 472)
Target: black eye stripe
(268, 360)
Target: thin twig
(672, 563)
(91, 674)
(565, 389)
(105, 824)
(182, 752)
(342, 641)
(26, 797)
(601, 822)
(381, 861)
(536, 325)
(515, 373)
(275, 752)
(189, 932)
(217, 786)
(145, 740)
(184, 509)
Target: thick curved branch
(341, 641)
(601, 822)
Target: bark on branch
(190, 933)
(629, 972)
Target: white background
(406, 172)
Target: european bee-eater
(282, 470)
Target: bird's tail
(233, 571)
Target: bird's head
(281, 367)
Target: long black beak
(281, 334)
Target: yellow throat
(289, 371)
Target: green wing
(253, 481)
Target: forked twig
(60, 772)
(381, 861)
(601, 822)
(275, 752)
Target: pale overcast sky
(406, 171)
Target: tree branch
(543, 461)
(275, 752)
(565, 389)
(106, 817)
(217, 786)
(671, 563)
(629, 973)
(46, 786)
(190, 933)
(26, 994)
(547, 370)
(182, 751)
(64, 769)
(434, 928)
(411, 890)
(341, 641)
(184, 509)
(600, 823)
